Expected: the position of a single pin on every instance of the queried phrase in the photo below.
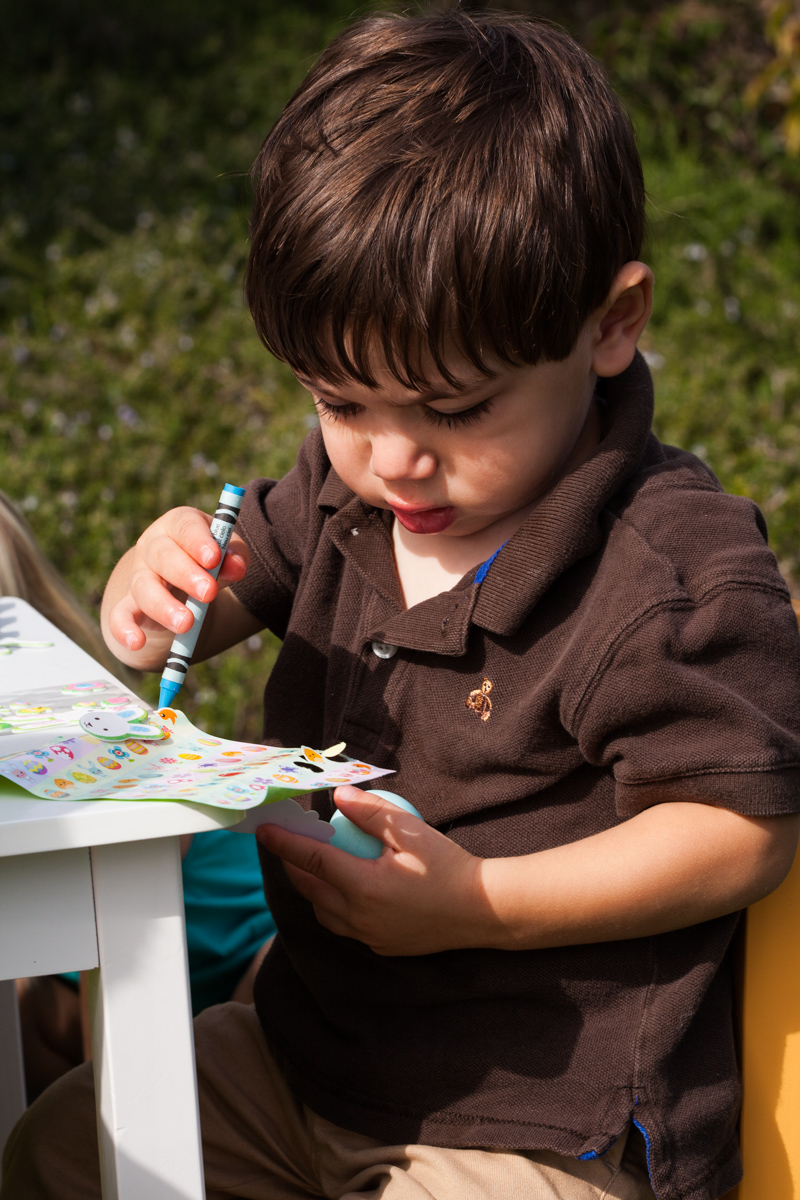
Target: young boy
(488, 574)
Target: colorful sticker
(114, 725)
(7, 644)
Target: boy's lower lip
(425, 520)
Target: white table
(97, 886)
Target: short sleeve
(279, 521)
(701, 701)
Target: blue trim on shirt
(483, 569)
(648, 1145)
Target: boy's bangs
(379, 327)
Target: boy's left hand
(424, 893)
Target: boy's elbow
(777, 844)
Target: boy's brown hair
(458, 183)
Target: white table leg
(149, 1125)
(12, 1090)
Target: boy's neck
(428, 564)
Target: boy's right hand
(143, 605)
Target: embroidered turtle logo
(478, 700)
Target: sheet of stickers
(121, 751)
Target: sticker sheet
(184, 764)
(46, 708)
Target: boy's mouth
(424, 520)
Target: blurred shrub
(126, 108)
(778, 85)
(132, 382)
(723, 339)
(130, 376)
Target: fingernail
(206, 556)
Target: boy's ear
(622, 318)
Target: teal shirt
(227, 918)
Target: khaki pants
(260, 1143)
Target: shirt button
(384, 649)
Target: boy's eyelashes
(466, 416)
(336, 412)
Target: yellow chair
(770, 1124)
(770, 1028)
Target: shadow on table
(137, 1181)
(7, 607)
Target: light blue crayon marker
(182, 649)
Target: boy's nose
(396, 457)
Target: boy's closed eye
(462, 416)
(336, 408)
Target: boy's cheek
(350, 454)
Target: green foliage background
(130, 376)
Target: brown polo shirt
(632, 643)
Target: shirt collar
(566, 526)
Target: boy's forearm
(673, 865)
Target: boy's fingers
(184, 555)
(124, 626)
(234, 568)
(168, 560)
(326, 863)
(191, 529)
(130, 625)
(237, 560)
(321, 894)
(391, 825)
(150, 596)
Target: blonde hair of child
(25, 572)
